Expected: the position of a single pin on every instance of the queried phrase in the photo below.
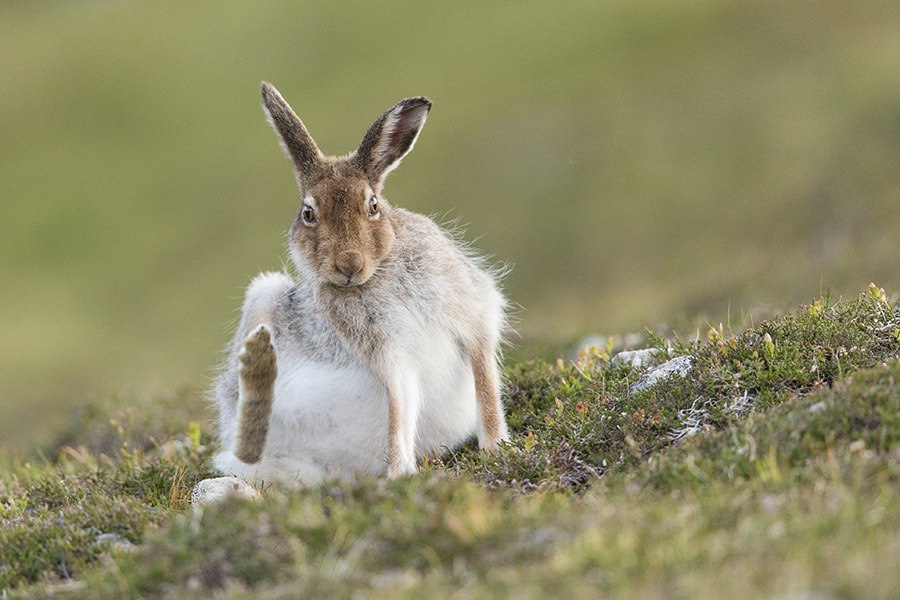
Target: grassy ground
(770, 468)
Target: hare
(384, 348)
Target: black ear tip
(422, 101)
(268, 90)
(414, 103)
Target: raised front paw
(257, 358)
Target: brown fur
(341, 188)
(257, 380)
(298, 144)
(343, 225)
(487, 391)
(368, 156)
(394, 466)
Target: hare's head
(344, 229)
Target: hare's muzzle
(349, 264)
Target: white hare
(383, 349)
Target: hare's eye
(308, 214)
(373, 206)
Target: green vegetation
(634, 160)
(770, 468)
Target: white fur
(331, 421)
(267, 288)
(310, 201)
(389, 126)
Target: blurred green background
(635, 161)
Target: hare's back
(432, 255)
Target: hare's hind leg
(263, 293)
(491, 423)
(257, 374)
(256, 369)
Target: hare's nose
(349, 262)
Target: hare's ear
(391, 137)
(296, 142)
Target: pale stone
(637, 359)
(214, 490)
(677, 366)
(114, 541)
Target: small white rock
(114, 541)
(817, 407)
(214, 490)
(857, 446)
(635, 358)
(677, 366)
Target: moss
(53, 514)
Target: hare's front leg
(491, 422)
(404, 399)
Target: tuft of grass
(59, 517)
(356, 532)
(770, 468)
(575, 421)
(857, 415)
(104, 427)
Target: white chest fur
(330, 420)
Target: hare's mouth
(348, 281)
